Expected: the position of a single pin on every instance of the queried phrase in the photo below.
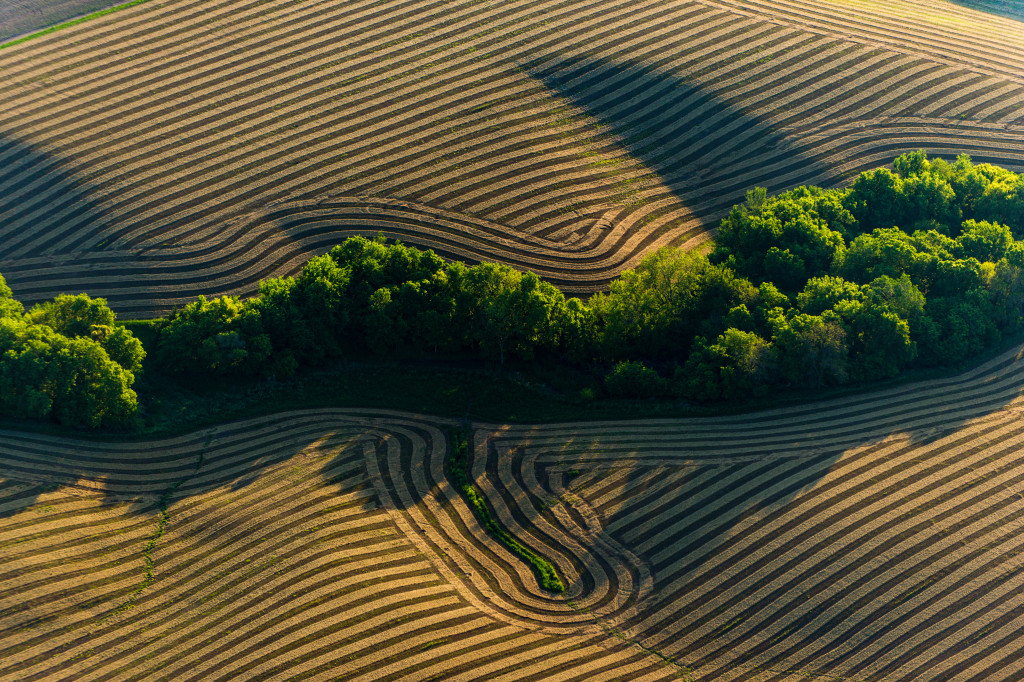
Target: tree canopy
(921, 265)
(66, 360)
(918, 265)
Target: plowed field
(875, 537)
(184, 147)
(178, 148)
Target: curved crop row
(868, 536)
(282, 553)
(964, 36)
(223, 143)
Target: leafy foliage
(920, 265)
(634, 380)
(66, 360)
(388, 298)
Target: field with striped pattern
(181, 148)
(185, 147)
(874, 537)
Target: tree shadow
(32, 258)
(736, 537)
(695, 490)
(146, 474)
(56, 236)
(707, 149)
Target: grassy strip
(71, 22)
(547, 576)
(147, 559)
(147, 553)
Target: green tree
(205, 336)
(737, 365)
(823, 293)
(812, 349)
(657, 309)
(928, 200)
(25, 352)
(89, 389)
(964, 327)
(1003, 202)
(80, 316)
(512, 315)
(911, 163)
(9, 307)
(275, 312)
(983, 241)
(73, 315)
(43, 373)
(1007, 288)
(573, 331)
(322, 295)
(121, 345)
(878, 339)
(786, 241)
(885, 251)
(634, 380)
(898, 295)
(875, 200)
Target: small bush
(634, 380)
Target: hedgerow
(917, 266)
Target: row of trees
(812, 287)
(66, 360)
(917, 266)
(920, 265)
(369, 295)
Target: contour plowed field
(875, 537)
(187, 147)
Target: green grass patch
(547, 576)
(71, 22)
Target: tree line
(920, 265)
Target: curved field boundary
(570, 139)
(149, 280)
(869, 536)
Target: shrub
(634, 380)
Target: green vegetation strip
(147, 554)
(807, 290)
(547, 576)
(71, 22)
(147, 558)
